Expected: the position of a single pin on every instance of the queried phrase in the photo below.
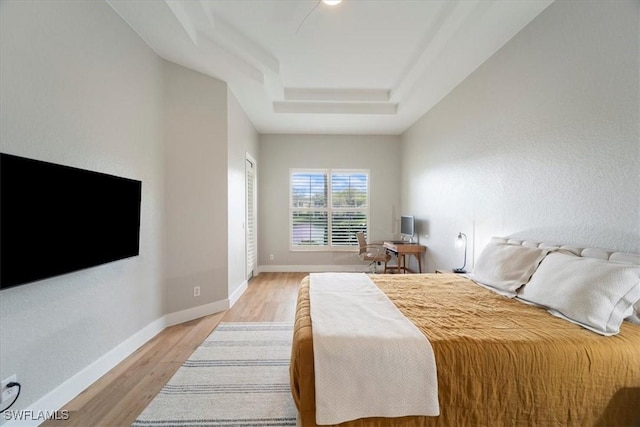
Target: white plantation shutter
(349, 201)
(328, 208)
(309, 221)
(250, 218)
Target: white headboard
(598, 253)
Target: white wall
(243, 139)
(79, 87)
(196, 188)
(279, 153)
(540, 142)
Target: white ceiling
(301, 66)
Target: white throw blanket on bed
(370, 360)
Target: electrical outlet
(196, 291)
(8, 393)
(271, 257)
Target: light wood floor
(121, 395)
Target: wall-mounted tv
(57, 219)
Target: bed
(499, 361)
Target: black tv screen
(57, 219)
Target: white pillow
(635, 314)
(507, 267)
(593, 293)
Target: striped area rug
(239, 376)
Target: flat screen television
(407, 226)
(57, 219)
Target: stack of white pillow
(596, 294)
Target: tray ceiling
(301, 66)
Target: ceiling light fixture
(327, 2)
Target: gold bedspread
(500, 362)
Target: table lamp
(459, 243)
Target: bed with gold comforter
(500, 362)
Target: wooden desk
(403, 249)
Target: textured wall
(79, 87)
(243, 139)
(540, 142)
(279, 153)
(196, 187)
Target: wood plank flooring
(121, 395)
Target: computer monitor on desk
(407, 228)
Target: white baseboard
(311, 268)
(206, 309)
(235, 296)
(196, 312)
(69, 389)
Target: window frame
(328, 209)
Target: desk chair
(373, 253)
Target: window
(328, 208)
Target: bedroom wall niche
(540, 142)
